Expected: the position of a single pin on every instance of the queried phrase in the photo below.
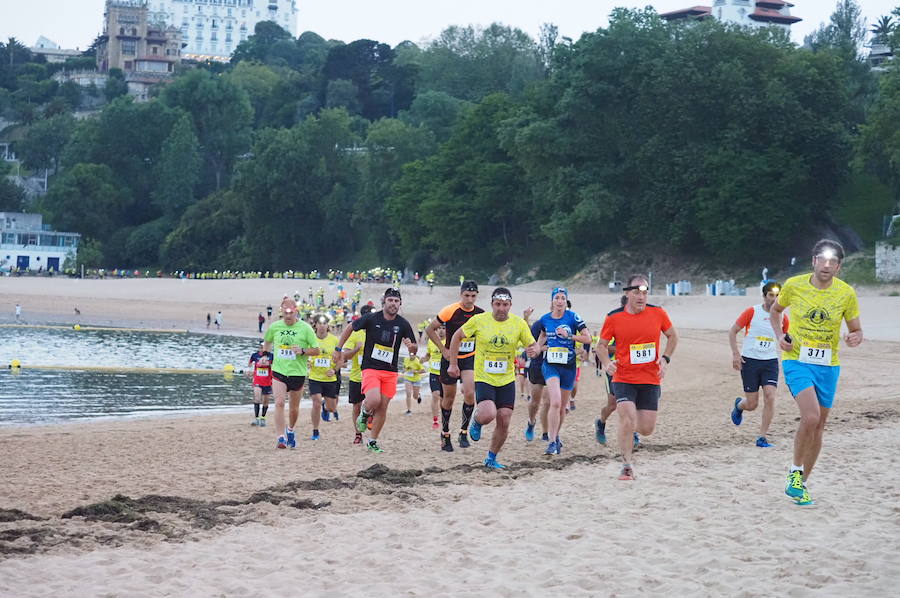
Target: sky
(75, 23)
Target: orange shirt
(637, 343)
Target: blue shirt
(572, 322)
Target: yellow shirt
(357, 336)
(495, 346)
(816, 315)
(321, 363)
(413, 368)
(434, 357)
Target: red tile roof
(694, 11)
(767, 14)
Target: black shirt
(383, 339)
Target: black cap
(469, 285)
(501, 293)
(392, 292)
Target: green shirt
(283, 337)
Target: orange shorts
(379, 378)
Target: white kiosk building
(26, 243)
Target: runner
(412, 377)
(260, 372)
(323, 382)
(385, 332)
(610, 407)
(453, 317)
(434, 376)
(818, 302)
(639, 365)
(537, 383)
(757, 360)
(497, 334)
(522, 374)
(294, 342)
(353, 353)
(561, 329)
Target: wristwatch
(667, 358)
(303, 351)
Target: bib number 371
(645, 353)
(382, 353)
(816, 354)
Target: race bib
(262, 372)
(285, 352)
(495, 366)
(558, 355)
(382, 353)
(645, 353)
(467, 346)
(322, 362)
(816, 353)
(764, 343)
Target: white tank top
(760, 342)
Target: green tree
(12, 197)
(209, 235)
(43, 145)
(115, 85)
(87, 200)
(878, 146)
(222, 117)
(142, 248)
(177, 170)
(437, 111)
(258, 82)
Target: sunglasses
(639, 287)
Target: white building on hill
(26, 243)
(212, 29)
(748, 13)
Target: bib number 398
(645, 353)
(816, 354)
(286, 353)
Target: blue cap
(559, 290)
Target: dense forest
(482, 147)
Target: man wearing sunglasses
(291, 341)
(640, 363)
(819, 302)
(757, 360)
(498, 335)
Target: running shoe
(795, 486)
(600, 430)
(262, 422)
(419, 400)
(559, 445)
(337, 416)
(474, 433)
(446, 444)
(572, 405)
(408, 413)
(627, 473)
(357, 439)
(637, 440)
(493, 464)
(552, 448)
(761, 442)
(291, 440)
(737, 415)
(804, 500)
(361, 422)
(374, 448)
(315, 435)
(281, 444)
(545, 437)
(326, 416)
(529, 431)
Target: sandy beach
(205, 505)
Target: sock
(265, 409)
(468, 410)
(445, 420)
(256, 409)
(289, 430)
(492, 456)
(796, 468)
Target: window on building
(129, 65)
(155, 50)
(129, 47)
